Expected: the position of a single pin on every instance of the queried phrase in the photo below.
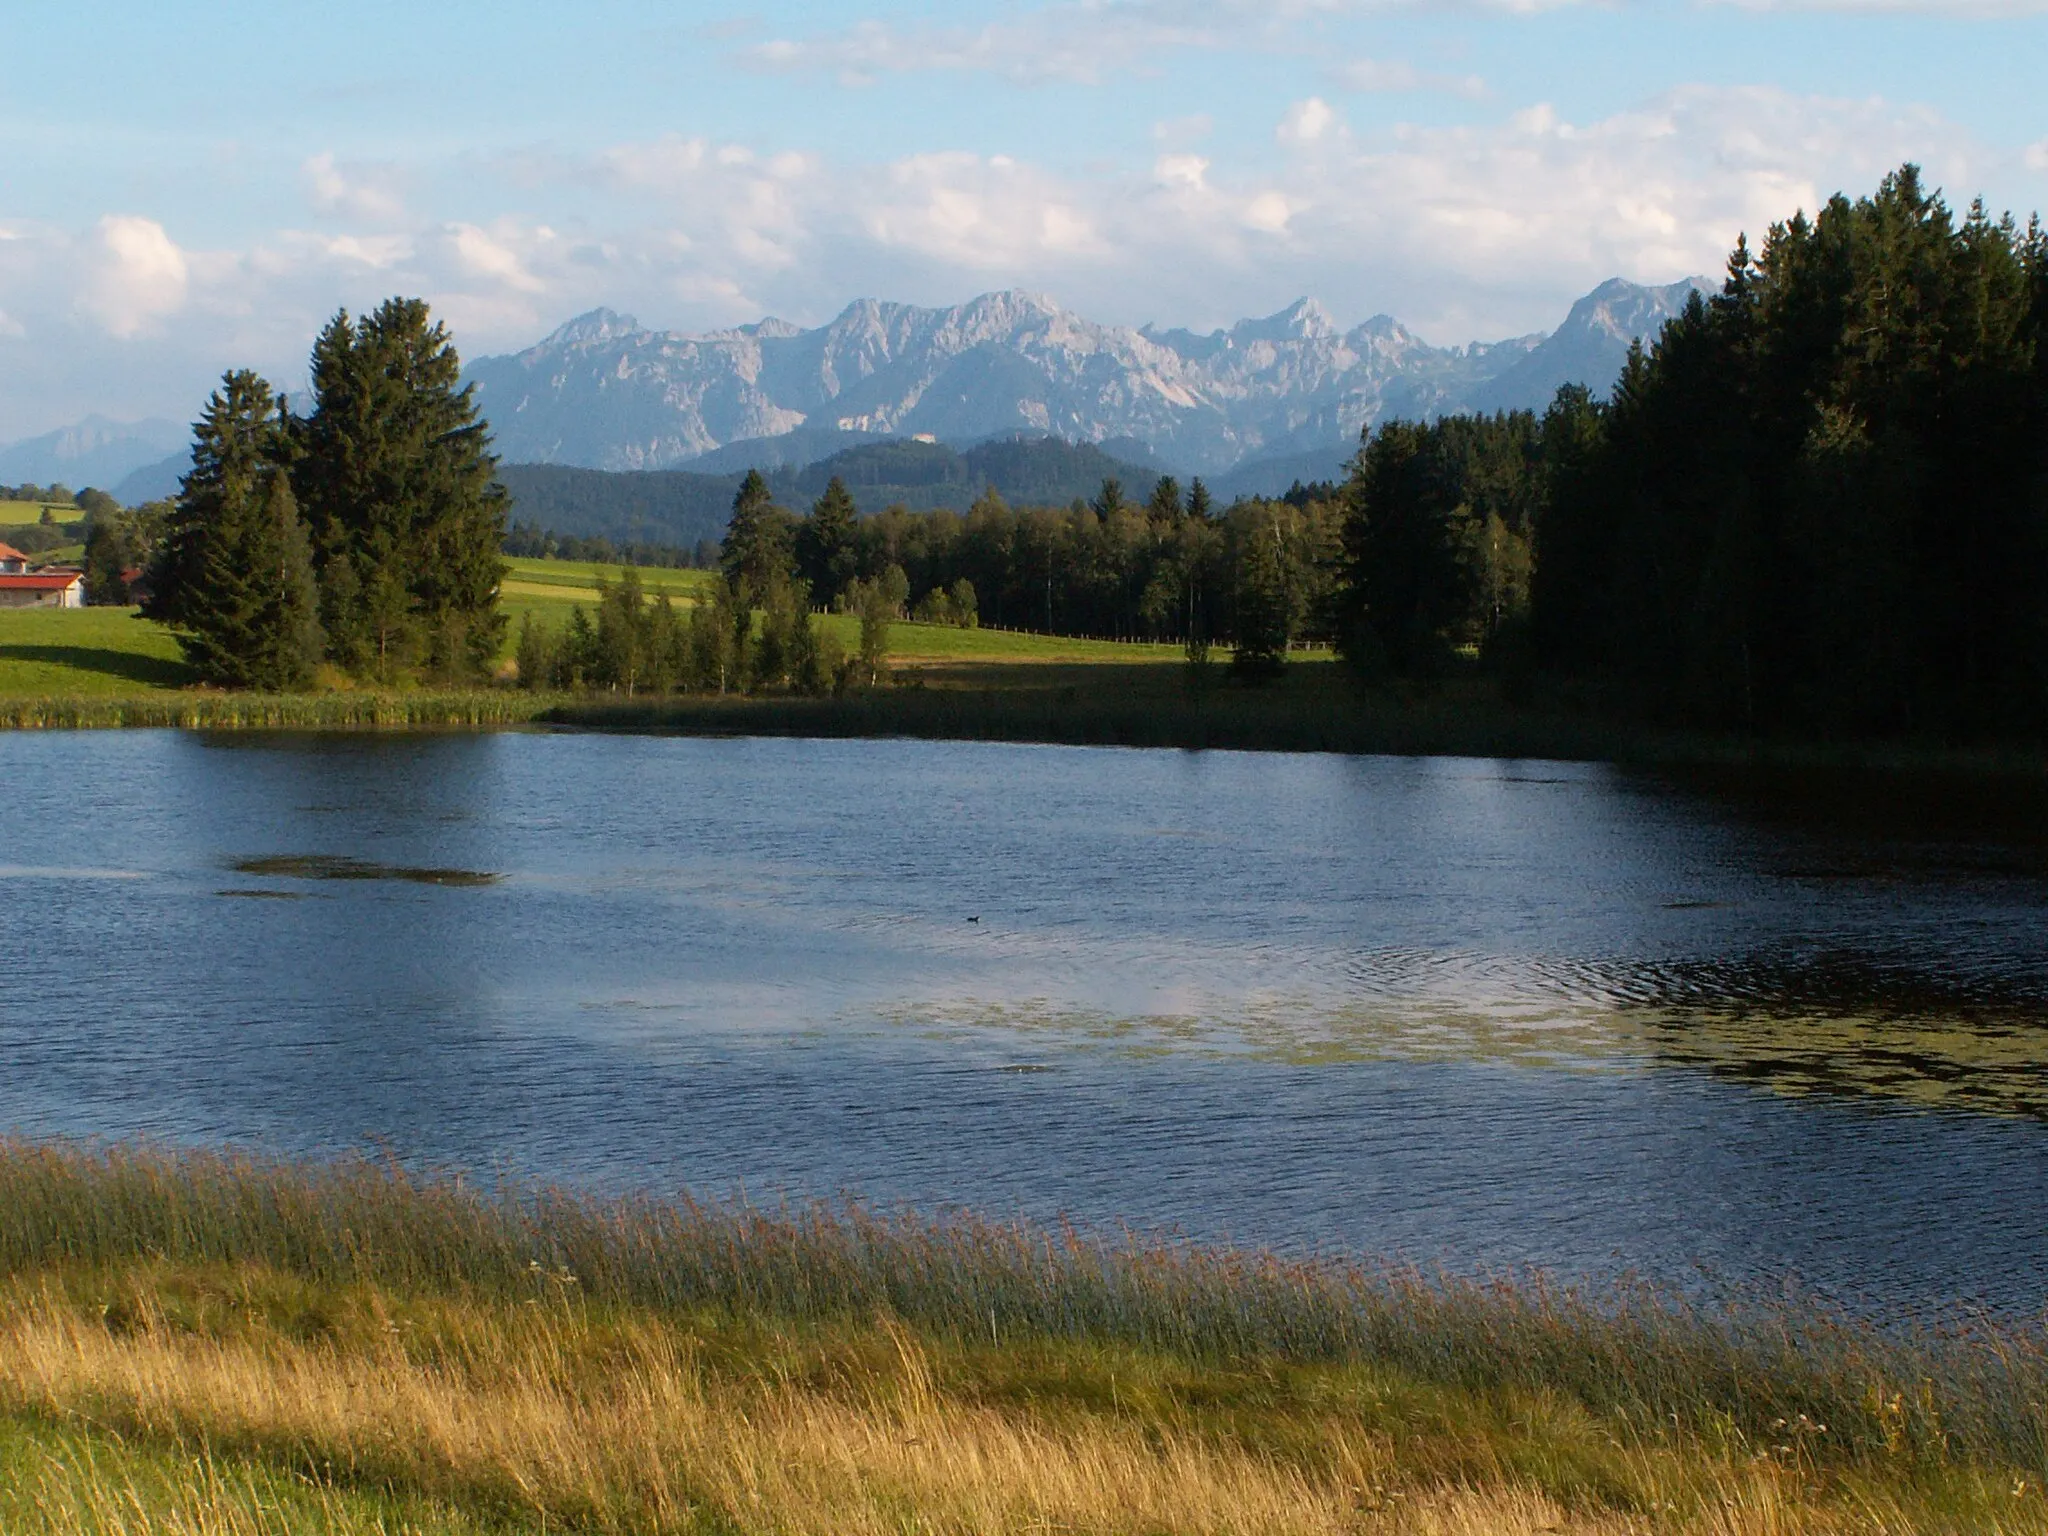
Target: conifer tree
(827, 544)
(756, 551)
(279, 561)
(1164, 505)
(1264, 620)
(396, 474)
(234, 575)
(233, 443)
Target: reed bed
(1776, 1381)
(193, 710)
(1131, 706)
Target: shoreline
(1133, 707)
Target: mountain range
(1268, 399)
(1253, 407)
(95, 451)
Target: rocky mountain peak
(593, 329)
(603, 393)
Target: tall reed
(1759, 1369)
(270, 711)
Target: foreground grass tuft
(201, 1342)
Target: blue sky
(184, 188)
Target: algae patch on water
(327, 866)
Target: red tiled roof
(9, 552)
(39, 581)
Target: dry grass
(562, 1416)
(197, 1344)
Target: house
(12, 561)
(42, 589)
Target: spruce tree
(286, 643)
(756, 551)
(827, 547)
(233, 443)
(397, 476)
(1164, 506)
(234, 575)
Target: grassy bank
(1313, 707)
(272, 711)
(243, 1346)
(105, 667)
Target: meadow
(15, 513)
(91, 656)
(201, 1342)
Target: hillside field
(99, 652)
(15, 513)
(109, 652)
(550, 589)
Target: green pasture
(914, 644)
(582, 577)
(14, 513)
(98, 652)
(551, 589)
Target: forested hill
(679, 507)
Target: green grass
(1097, 700)
(582, 576)
(549, 589)
(914, 644)
(68, 1479)
(15, 513)
(89, 653)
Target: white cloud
(1090, 41)
(1306, 122)
(136, 274)
(1269, 212)
(2036, 156)
(1987, 9)
(1396, 76)
(1081, 41)
(1180, 132)
(1482, 230)
(363, 193)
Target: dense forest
(688, 508)
(1821, 501)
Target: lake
(1482, 1014)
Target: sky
(186, 188)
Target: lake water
(1469, 1012)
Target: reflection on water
(334, 866)
(1487, 1013)
(1832, 1023)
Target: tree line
(1171, 567)
(530, 541)
(1818, 503)
(364, 535)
